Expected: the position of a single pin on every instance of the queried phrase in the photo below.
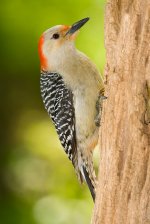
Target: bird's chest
(85, 111)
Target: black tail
(89, 183)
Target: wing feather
(58, 101)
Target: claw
(103, 97)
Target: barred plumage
(58, 101)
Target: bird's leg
(99, 109)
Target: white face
(54, 45)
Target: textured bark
(123, 192)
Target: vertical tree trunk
(123, 192)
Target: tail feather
(85, 172)
(89, 183)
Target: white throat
(61, 59)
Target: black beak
(76, 26)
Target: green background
(37, 182)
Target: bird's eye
(55, 36)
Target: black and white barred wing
(58, 101)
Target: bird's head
(56, 42)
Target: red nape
(43, 59)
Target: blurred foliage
(37, 182)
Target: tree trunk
(123, 192)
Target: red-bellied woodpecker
(71, 89)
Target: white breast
(82, 77)
(85, 112)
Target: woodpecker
(72, 92)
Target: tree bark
(123, 191)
